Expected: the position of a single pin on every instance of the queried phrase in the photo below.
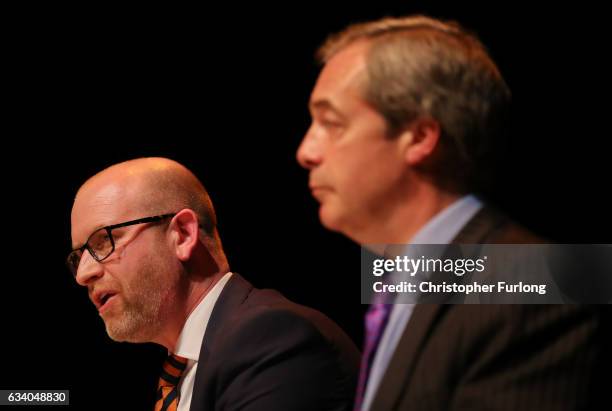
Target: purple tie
(375, 321)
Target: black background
(224, 90)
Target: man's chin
(333, 220)
(329, 218)
(125, 336)
(122, 330)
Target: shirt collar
(445, 225)
(190, 340)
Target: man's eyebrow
(96, 228)
(74, 247)
(324, 105)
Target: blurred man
(147, 248)
(406, 116)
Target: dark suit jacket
(263, 352)
(498, 357)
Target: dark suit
(497, 357)
(263, 352)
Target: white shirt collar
(445, 225)
(190, 340)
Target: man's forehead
(345, 72)
(99, 194)
(97, 205)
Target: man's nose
(89, 270)
(310, 152)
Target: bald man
(147, 248)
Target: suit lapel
(234, 293)
(423, 320)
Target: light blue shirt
(439, 230)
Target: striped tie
(167, 389)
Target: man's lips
(107, 304)
(318, 188)
(319, 191)
(101, 298)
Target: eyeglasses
(101, 243)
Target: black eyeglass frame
(109, 230)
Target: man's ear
(424, 138)
(185, 233)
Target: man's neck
(194, 292)
(199, 290)
(407, 218)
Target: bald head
(149, 186)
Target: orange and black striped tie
(167, 389)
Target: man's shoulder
(492, 226)
(266, 307)
(267, 312)
(266, 325)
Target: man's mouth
(102, 299)
(106, 302)
(318, 191)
